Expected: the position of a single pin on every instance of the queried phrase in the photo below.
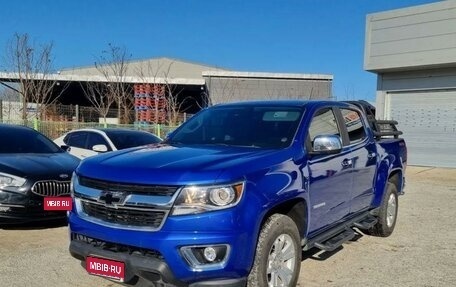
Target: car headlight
(9, 180)
(198, 199)
(74, 178)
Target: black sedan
(31, 167)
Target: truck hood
(171, 165)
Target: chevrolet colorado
(234, 195)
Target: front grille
(124, 215)
(51, 188)
(115, 247)
(129, 187)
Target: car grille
(115, 247)
(51, 188)
(129, 187)
(124, 215)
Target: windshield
(263, 127)
(22, 140)
(125, 139)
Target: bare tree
(349, 93)
(33, 66)
(100, 96)
(174, 105)
(160, 75)
(113, 65)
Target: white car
(89, 142)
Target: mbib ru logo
(57, 203)
(105, 267)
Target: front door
(330, 178)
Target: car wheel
(278, 254)
(387, 213)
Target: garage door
(428, 120)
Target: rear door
(330, 175)
(363, 158)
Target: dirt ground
(421, 251)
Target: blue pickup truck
(234, 195)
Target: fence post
(158, 130)
(1, 111)
(77, 113)
(35, 124)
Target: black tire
(279, 230)
(387, 214)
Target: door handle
(347, 162)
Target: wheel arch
(296, 209)
(396, 178)
(386, 173)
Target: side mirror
(66, 148)
(326, 144)
(100, 148)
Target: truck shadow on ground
(35, 225)
(320, 255)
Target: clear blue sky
(296, 36)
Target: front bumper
(151, 269)
(168, 266)
(18, 208)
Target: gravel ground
(421, 251)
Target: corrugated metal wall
(231, 89)
(428, 120)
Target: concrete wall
(417, 37)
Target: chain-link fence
(55, 129)
(59, 119)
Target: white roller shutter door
(428, 120)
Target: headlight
(11, 180)
(197, 199)
(74, 178)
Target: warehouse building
(413, 53)
(196, 85)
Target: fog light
(206, 256)
(210, 254)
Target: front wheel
(278, 254)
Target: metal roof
(163, 71)
(156, 70)
(261, 75)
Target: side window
(323, 123)
(354, 125)
(66, 139)
(77, 139)
(94, 139)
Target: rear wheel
(278, 254)
(387, 214)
